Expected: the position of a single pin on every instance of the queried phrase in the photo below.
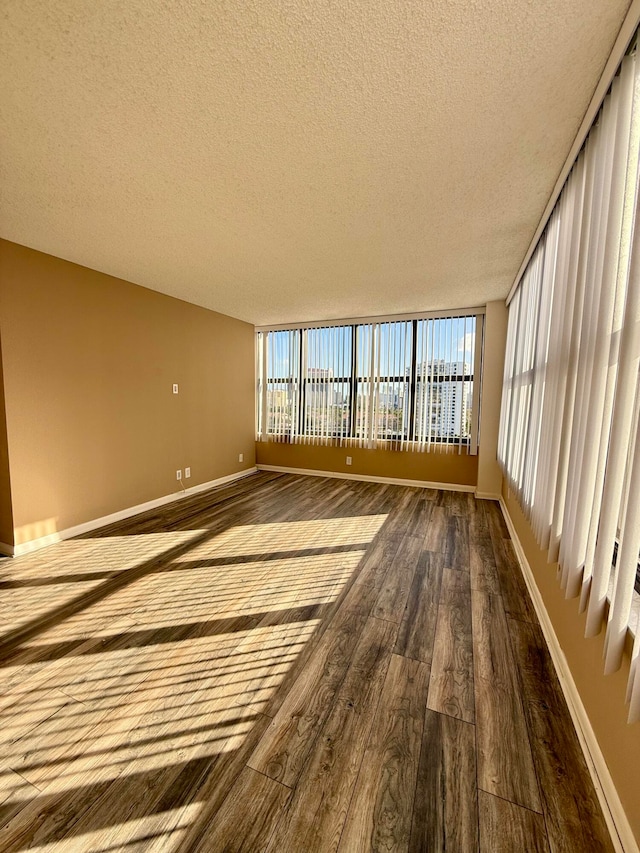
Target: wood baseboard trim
(487, 496)
(368, 478)
(6, 550)
(619, 828)
(94, 524)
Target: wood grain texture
(418, 627)
(460, 503)
(456, 550)
(211, 790)
(513, 589)
(237, 828)
(507, 828)
(162, 678)
(380, 814)
(482, 561)
(315, 818)
(436, 532)
(283, 750)
(418, 518)
(393, 596)
(378, 560)
(494, 514)
(451, 683)
(505, 763)
(15, 789)
(572, 812)
(445, 817)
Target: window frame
(301, 382)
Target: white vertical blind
(569, 439)
(406, 383)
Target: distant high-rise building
(319, 392)
(443, 398)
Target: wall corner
(495, 340)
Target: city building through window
(408, 382)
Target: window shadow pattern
(138, 664)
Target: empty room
(320, 426)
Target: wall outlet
(349, 460)
(187, 473)
(175, 387)
(179, 474)
(240, 457)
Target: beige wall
(436, 467)
(495, 339)
(89, 362)
(603, 697)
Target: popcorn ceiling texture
(292, 160)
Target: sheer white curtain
(325, 385)
(396, 383)
(278, 359)
(569, 441)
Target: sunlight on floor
(167, 671)
(32, 585)
(157, 831)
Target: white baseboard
(368, 478)
(87, 526)
(487, 496)
(621, 833)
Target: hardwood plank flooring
(505, 764)
(445, 814)
(556, 749)
(286, 664)
(318, 809)
(482, 561)
(526, 828)
(418, 627)
(282, 752)
(451, 686)
(381, 808)
(513, 590)
(238, 829)
(393, 596)
(456, 551)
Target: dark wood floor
(286, 664)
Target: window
(401, 382)
(282, 385)
(326, 381)
(569, 433)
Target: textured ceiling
(294, 160)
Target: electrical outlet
(179, 474)
(240, 457)
(349, 460)
(187, 473)
(175, 387)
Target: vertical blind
(569, 439)
(400, 383)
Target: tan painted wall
(89, 363)
(603, 697)
(495, 339)
(437, 467)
